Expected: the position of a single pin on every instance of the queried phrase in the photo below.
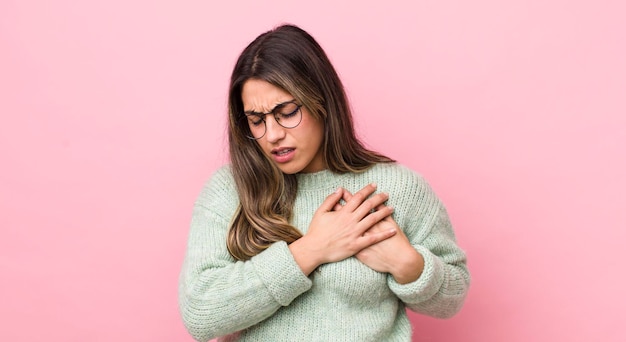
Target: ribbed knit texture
(268, 298)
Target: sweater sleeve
(441, 289)
(218, 295)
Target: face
(295, 149)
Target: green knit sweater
(268, 298)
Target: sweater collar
(317, 180)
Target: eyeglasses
(286, 114)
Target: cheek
(318, 132)
(313, 127)
(263, 147)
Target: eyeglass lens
(287, 114)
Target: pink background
(113, 112)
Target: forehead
(260, 96)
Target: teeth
(280, 153)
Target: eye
(288, 110)
(254, 120)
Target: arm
(442, 286)
(218, 296)
(427, 270)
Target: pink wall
(112, 117)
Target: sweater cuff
(426, 286)
(280, 273)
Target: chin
(289, 170)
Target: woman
(307, 235)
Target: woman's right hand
(337, 235)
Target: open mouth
(283, 152)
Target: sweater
(268, 298)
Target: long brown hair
(289, 58)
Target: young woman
(307, 235)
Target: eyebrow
(251, 112)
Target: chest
(347, 282)
(350, 283)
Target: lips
(283, 154)
(282, 151)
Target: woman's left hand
(395, 255)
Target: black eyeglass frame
(274, 112)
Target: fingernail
(374, 185)
(338, 190)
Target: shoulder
(221, 177)
(219, 190)
(407, 188)
(395, 175)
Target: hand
(395, 255)
(337, 235)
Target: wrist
(305, 257)
(409, 269)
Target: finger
(347, 195)
(331, 200)
(380, 206)
(370, 220)
(360, 196)
(370, 204)
(376, 237)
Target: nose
(273, 131)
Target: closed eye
(254, 120)
(288, 115)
